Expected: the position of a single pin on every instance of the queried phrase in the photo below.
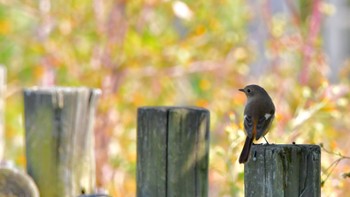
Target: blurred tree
(336, 36)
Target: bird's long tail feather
(246, 150)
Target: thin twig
(334, 164)
(333, 153)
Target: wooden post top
(53, 89)
(161, 108)
(14, 182)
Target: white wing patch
(267, 116)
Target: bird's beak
(242, 90)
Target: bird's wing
(248, 125)
(263, 125)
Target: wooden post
(2, 98)
(60, 139)
(16, 183)
(172, 151)
(283, 170)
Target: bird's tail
(246, 150)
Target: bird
(259, 113)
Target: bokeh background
(165, 52)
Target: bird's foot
(267, 143)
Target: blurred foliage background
(165, 52)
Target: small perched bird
(259, 112)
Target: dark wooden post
(283, 170)
(172, 151)
(60, 140)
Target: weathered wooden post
(172, 151)
(60, 139)
(2, 98)
(283, 170)
(16, 183)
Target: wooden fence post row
(172, 151)
(60, 139)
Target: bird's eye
(248, 90)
